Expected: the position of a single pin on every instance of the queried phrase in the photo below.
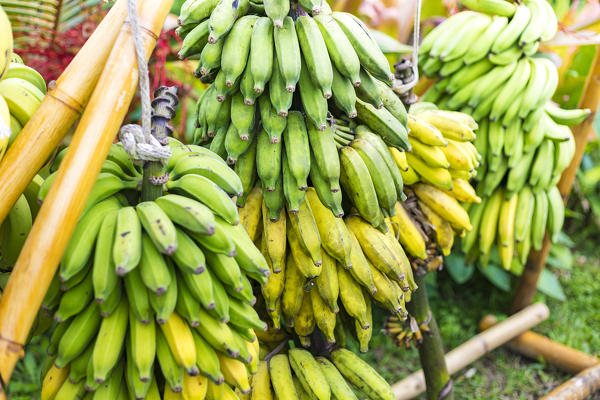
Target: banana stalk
(76, 176)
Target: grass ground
(502, 374)
(458, 309)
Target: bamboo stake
(76, 176)
(59, 110)
(476, 347)
(527, 287)
(533, 345)
(431, 351)
(579, 387)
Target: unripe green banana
(392, 102)
(315, 54)
(247, 86)
(511, 33)
(331, 200)
(207, 359)
(196, 10)
(287, 50)
(261, 53)
(188, 213)
(127, 247)
(245, 168)
(172, 372)
(308, 372)
(143, 345)
(236, 49)
(297, 148)
(315, 105)
(108, 306)
(498, 7)
(138, 296)
(536, 24)
(158, 226)
(277, 10)
(344, 95)
(268, 160)
(194, 41)
(384, 124)
(370, 55)
(524, 214)
(275, 200)
(272, 123)
(218, 334)
(339, 48)
(280, 97)
(539, 220)
(109, 344)
(78, 367)
(242, 117)
(368, 91)
(81, 331)
(367, 380)
(324, 150)
(74, 300)
(223, 17)
(164, 304)
(293, 195)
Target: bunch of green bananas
(155, 291)
(253, 116)
(296, 374)
(22, 89)
(486, 65)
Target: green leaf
(560, 257)
(497, 276)
(457, 268)
(550, 286)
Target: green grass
(502, 374)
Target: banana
(158, 226)
(153, 267)
(513, 87)
(127, 242)
(296, 139)
(6, 48)
(434, 156)
(277, 10)
(281, 377)
(194, 41)
(519, 173)
(535, 27)
(439, 177)
(315, 53)
(409, 235)
(287, 49)
(369, 53)
(281, 98)
(236, 49)
(551, 23)
(250, 214)
(327, 282)
(22, 71)
(215, 170)
(74, 300)
(261, 53)
(186, 305)
(235, 373)
(164, 304)
(195, 11)
(242, 117)
(70, 390)
(293, 194)
(181, 343)
(247, 86)
(81, 245)
(382, 122)
(446, 206)
(566, 117)
(425, 132)
(78, 367)
(309, 373)
(368, 90)
(243, 316)
(556, 214)
(506, 230)
(218, 334)
(511, 33)
(194, 387)
(392, 102)
(308, 265)
(304, 321)
(352, 297)
(338, 385)
(381, 177)
(109, 344)
(315, 105)
(324, 151)
(208, 193)
(81, 331)
(540, 219)
(169, 366)
(489, 221)
(361, 269)
(271, 292)
(498, 7)
(223, 18)
(443, 231)
(275, 240)
(272, 123)
(524, 213)
(274, 201)
(22, 98)
(261, 383)
(245, 168)
(540, 165)
(367, 380)
(442, 30)
(138, 296)
(207, 360)
(464, 37)
(325, 318)
(188, 256)
(16, 228)
(291, 299)
(356, 181)
(143, 345)
(221, 300)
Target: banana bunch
(22, 89)
(487, 64)
(406, 333)
(296, 374)
(515, 222)
(156, 291)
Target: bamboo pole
(476, 347)
(431, 351)
(527, 287)
(579, 387)
(533, 345)
(76, 176)
(59, 110)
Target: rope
(137, 140)
(415, 54)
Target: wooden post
(76, 176)
(431, 351)
(527, 287)
(579, 387)
(61, 107)
(533, 345)
(476, 347)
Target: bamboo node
(13, 346)
(64, 98)
(148, 32)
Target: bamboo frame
(59, 110)
(76, 176)
(476, 347)
(536, 346)
(579, 387)
(527, 287)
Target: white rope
(415, 54)
(137, 140)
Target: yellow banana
(235, 373)
(274, 233)
(443, 231)
(181, 342)
(446, 206)
(251, 214)
(410, 236)
(304, 225)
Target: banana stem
(431, 351)
(163, 110)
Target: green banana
(315, 54)
(287, 50)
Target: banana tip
(258, 90)
(290, 88)
(248, 102)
